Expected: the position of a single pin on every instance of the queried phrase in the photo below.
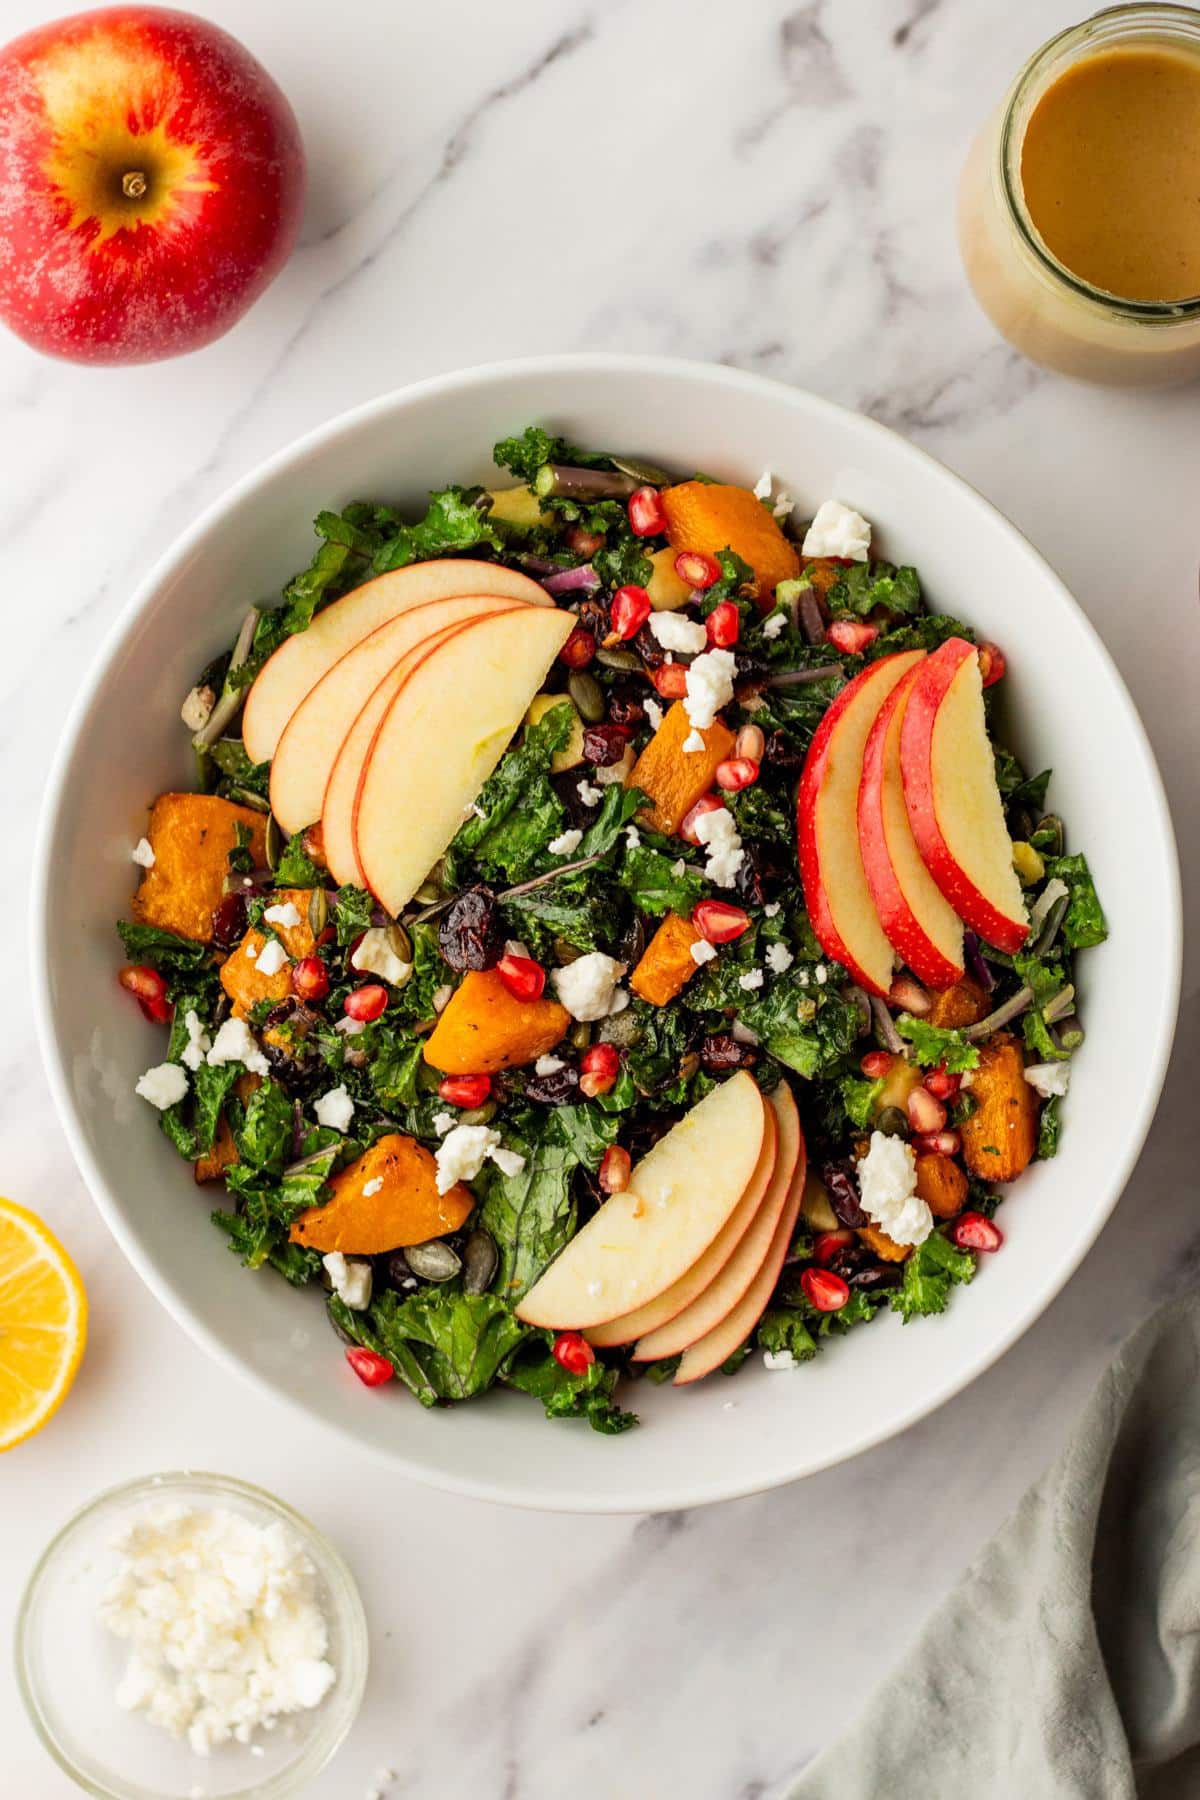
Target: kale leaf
(296, 868)
(446, 1345)
(229, 755)
(929, 1273)
(353, 910)
(532, 1214)
(937, 1044)
(651, 881)
(517, 812)
(534, 1370)
(267, 1206)
(807, 1029)
(864, 586)
(523, 456)
(178, 958)
(1049, 1129)
(452, 522)
(264, 1139)
(1084, 923)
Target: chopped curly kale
(353, 910)
(296, 868)
(532, 1214)
(534, 1370)
(937, 1044)
(267, 1205)
(929, 1273)
(517, 813)
(523, 456)
(864, 586)
(1084, 923)
(652, 882)
(1049, 1129)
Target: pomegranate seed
(465, 1090)
(697, 568)
(583, 542)
(705, 804)
(718, 921)
(827, 1244)
(366, 1003)
(371, 1368)
(938, 1143)
(629, 611)
(671, 680)
(723, 624)
(579, 649)
(598, 1069)
(877, 1063)
(573, 1352)
(942, 1084)
(523, 978)
(735, 773)
(149, 990)
(310, 979)
(647, 515)
(616, 1166)
(924, 1112)
(851, 636)
(992, 665)
(827, 1291)
(971, 1231)
(910, 995)
(750, 743)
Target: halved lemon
(43, 1324)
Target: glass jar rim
(1113, 24)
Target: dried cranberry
(553, 1089)
(848, 1259)
(625, 707)
(566, 785)
(843, 1195)
(605, 744)
(723, 1051)
(758, 872)
(649, 648)
(875, 1276)
(781, 754)
(229, 922)
(398, 1271)
(593, 616)
(471, 935)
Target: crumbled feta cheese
(779, 1359)
(674, 631)
(838, 530)
(588, 986)
(692, 742)
(251, 949)
(287, 915)
(679, 867)
(235, 1042)
(548, 1065)
(198, 1041)
(272, 957)
(779, 958)
(373, 1186)
(509, 1162)
(335, 1109)
(223, 1620)
(763, 486)
(143, 853)
(774, 625)
(887, 1186)
(772, 909)
(654, 713)
(822, 974)
(618, 771)
(1051, 1080)
(782, 504)
(589, 793)
(565, 843)
(162, 1086)
(633, 837)
(709, 686)
(351, 1280)
(462, 1153)
(444, 1122)
(374, 955)
(350, 1027)
(702, 951)
(802, 977)
(442, 998)
(753, 978)
(718, 832)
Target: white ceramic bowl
(1068, 709)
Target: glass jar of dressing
(1079, 207)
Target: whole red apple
(151, 184)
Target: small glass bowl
(69, 1665)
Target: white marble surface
(766, 186)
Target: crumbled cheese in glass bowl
(316, 1624)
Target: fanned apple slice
(923, 927)
(706, 1268)
(312, 737)
(831, 866)
(715, 1349)
(725, 1292)
(443, 734)
(643, 1239)
(953, 802)
(301, 660)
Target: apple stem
(133, 184)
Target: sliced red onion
(538, 565)
(583, 580)
(862, 1000)
(800, 677)
(885, 1029)
(1003, 1015)
(232, 700)
(976, 962)
(811, 622)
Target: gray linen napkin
(1066, 1664)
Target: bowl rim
(685, 1491)
(331, 1566)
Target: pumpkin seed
(479, 1115)
(434, 1261)
(628, 660)
(580, 1035)
(642, 471)
(318, 911)
(565, 951)
(622, 1029)
(276, 843)
(689, 1066)
(399, 942)
(633, 942)
(587, 694)
(1052, 827)
(892, 1122)
(481, 1259)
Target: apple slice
(443, 734)
(725, 1292)
(923, 927)
(643, 1239)
(831, 865)
(718, 1345)
(307, 750)
(301, 660)
(706, 1268)
(954, 804)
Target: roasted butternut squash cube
(191, 836)
(485, 1028)
(942, 1185)
(245, 982)
(385, 1199)
(885, 1248)
(963, 1004)
(675, 778)
(1001, 1135)
(667, 963)
(713, 516)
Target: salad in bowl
(607, 938)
